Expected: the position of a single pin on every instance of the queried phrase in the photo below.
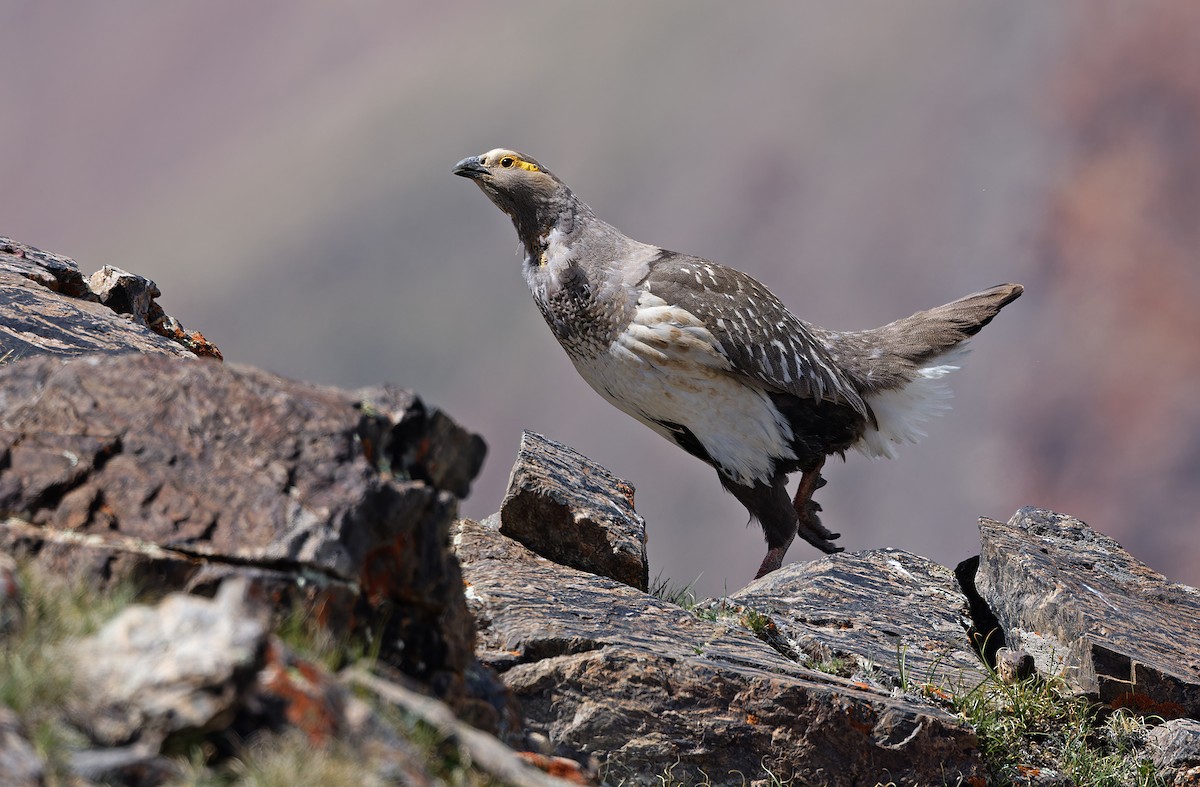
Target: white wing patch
(903, 412)
(667, 367)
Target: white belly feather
(667, 367)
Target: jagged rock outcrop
(1085, 608)
(651, 693)
(559, 504)
(1176, 747)
(47, 307)
(191, 472)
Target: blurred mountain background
(282, 170)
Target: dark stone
(644, 686)
(184, 473)
(1014, 666)
(1084, 607)
(567, 508)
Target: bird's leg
(774, 558)
(808, 523)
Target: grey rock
(47, 308)
(126, 293)
(189, 472)
(644, 686)
(1014, 666)
(183, 665)
(898, 617)
(1175, 748)
(138, 764)
(1082, 606)
(567, 508)
(20, 765)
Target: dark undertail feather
(818, 430)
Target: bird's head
(521, 187)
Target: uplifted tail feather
(900, 368)
(890, 356)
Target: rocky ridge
(240, 502)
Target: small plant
(1039, 723)
(680, 595)
(840, 666)
(36, 682)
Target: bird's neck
(552, 223)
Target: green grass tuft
(1040, 724)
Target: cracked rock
(47, 307)
(1084, 607)
(184, 473)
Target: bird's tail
(900, 367)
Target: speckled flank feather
(709, 358)
(667, 370)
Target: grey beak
(470, 167)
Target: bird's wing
(756, 334)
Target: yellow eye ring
(506, 162)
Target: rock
(182, 666)
(294, 692)
(479, 748)
(566, 508)
(20, 765)
(402, 436)
(185, 473)
(897, 618)
(138, 764)
(1175, 746)
(126, 293)
(48, 308)
(1014, 666)
(639, 684)
(1081, 605)
(54, 272)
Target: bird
(712, 360)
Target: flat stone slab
(571, 510)
(894, 616)
(1085, 608)
(644, 686)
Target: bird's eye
(506, 162)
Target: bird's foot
(808, 523)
